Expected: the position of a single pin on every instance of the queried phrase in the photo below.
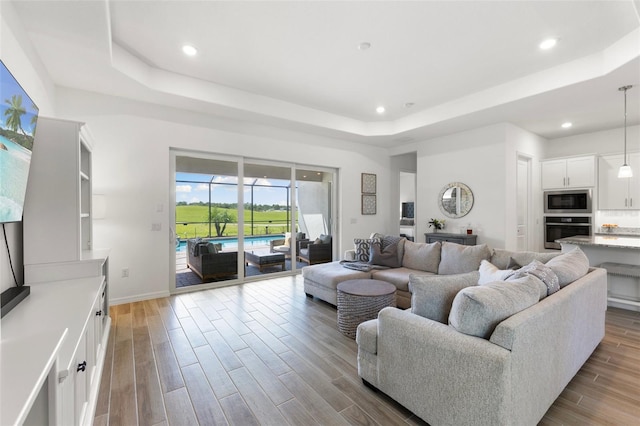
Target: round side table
(360, 301)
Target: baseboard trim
(138, 298)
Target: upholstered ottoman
(322, 280)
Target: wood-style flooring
(264, 354)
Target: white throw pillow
(490, 273)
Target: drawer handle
(82, 366)
(99, 313)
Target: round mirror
(455, 200)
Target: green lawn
(276, 221)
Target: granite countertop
(615, 241)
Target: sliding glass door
(238, 219)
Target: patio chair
(318, 251)
(284, 245)
(207, 261)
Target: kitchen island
(623, 288)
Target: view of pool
(232, 242)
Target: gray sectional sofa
(491, 337)
(444, 258)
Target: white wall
(601, 143)
(485, 160)
(131, 168)
(20, 58)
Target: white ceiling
(296, 64)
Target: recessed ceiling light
(189, 50)
(380, 110)
(567, 125)
(364, 45)
(548, 43)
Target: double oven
(567, 213)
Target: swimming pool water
(231, 243)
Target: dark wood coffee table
(360, 301)
(263, 259)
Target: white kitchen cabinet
(616, 193)
(565, 173)
(57, 213)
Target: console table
(464, 239)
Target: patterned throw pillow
(363, 247)
(543, 273)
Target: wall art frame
(369, 204)
(368, 183)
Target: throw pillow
(505, 259)
(213, 248)
(387, 257)
(325, 239)
(421, 256)
(543, 273)
(317, 241)
(477, 310)
(363, 248)
(569, 266)
(388, 240)
(490, 273)
(458, 259)
(432, 295)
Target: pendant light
(625, 170)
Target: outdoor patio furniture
(208, 262)
(317, 251)
(283, 245)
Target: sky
(265, 193)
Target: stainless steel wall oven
(556, 227)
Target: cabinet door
(581, 172)
(612, 191)
(80, 379)
(634, 182)
(554, 174)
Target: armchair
(318, 251)
(208, 262)
(284, 245)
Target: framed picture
(368, 183)
(368, 204)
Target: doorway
(523, 204)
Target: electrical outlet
(125, 272)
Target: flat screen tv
(18, 117)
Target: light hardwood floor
(263, 353)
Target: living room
(135, 137)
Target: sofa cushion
(569, 266)
(324, 239)
(432, 295)
(331, 274)
(543, 273)
(458, 259)
(422, 256)
(477, 310)
(396, 276)
(363, 247)
(384, 257)
(505, 259)
(490, 273)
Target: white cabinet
(616, 193)
(66, 308)
(575, 172)
(57, 212)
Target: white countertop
(614, 241)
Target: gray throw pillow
(325, 239)
(421, 256)
(458, 259)
(432, 295)
(543, 273)
(363, 248)
(477, 310)
(569, 266)
(506, 259)
(387, 257)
